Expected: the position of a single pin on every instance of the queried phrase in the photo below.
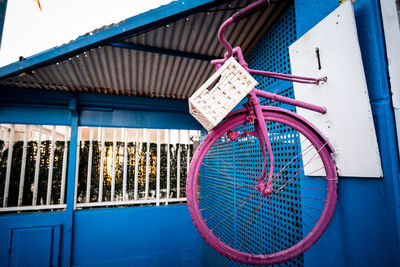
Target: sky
(28, 31)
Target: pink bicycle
(262, 185)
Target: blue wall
(364, 230)
(136, 236)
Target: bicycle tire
(281, 235)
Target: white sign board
(331, 50)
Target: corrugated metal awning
(170, 60)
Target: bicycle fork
(264, 187)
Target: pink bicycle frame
(260, 127)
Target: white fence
(33, 167)
(132, 166)
(115, 166)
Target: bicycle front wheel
(240, 221)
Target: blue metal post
(69, 219)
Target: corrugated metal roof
(167, 61)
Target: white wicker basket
(221, 93)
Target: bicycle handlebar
(237, 52)
(241, 14)
(248, 10)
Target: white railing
(132, 166)
(27, 177)
(115, 166)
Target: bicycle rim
(240, 222)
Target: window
(33, 166)
(121, 166)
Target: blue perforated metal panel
(271, 53)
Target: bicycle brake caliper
(233, 135)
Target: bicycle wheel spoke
(259, 232)
(281, 142)
(287, 193)
(206, 219)
(240, 162)
(293, 159)
(217, 186)
(251, 220)
(297, 204)
(304, 165)
(225, 191)
(303, 178)
(226, 228)
(253, 153)
(226, 203)
(307, 188)
(281, 215)
(299, 153)
(229, 164)
(214, 169)
(306, 213)
(254, 210)
(290, 152)
(238, 208)
(276, 214)
(254, 229)
(221, 180)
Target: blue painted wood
(56, 245)
(35, 246)
(136, 236)
(27, 221)
(365, 227)
(24, 114)
(133, 25)
(31, 246)
(97, 102)
(138, 119)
